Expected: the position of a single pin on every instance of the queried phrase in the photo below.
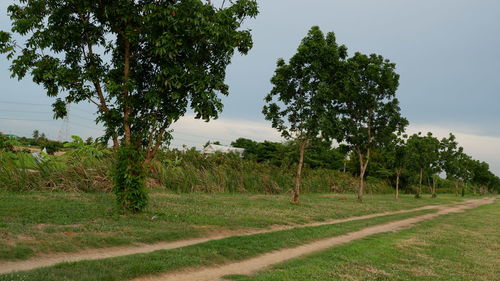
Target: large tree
(295, 105)
(367, 107)
(143, 63)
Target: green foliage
(365, 112)
(368, 110)
(129, 179)
(319, 153)
(143, 63)
(295, 104)
(6, 143)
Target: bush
(129, 179)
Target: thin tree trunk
(362, 165)
(298, 176)
(456, 188)
(398, 172)
(419, 189)
(434, 195)
(97, 85)
(126, 106)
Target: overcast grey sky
(446, 51)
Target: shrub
(129, 179)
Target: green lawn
(209, 253)
(46, 222)
(463, 246)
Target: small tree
(397, 158)
(464, 170)
(368, 108)
(295, 105)
(424, 152)
(450, 158)
(142, 63)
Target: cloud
(195, 132)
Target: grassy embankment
(452, 247)
(35, 223)
(208, 253)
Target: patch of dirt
(411, 242)
(153, 183)
(422, 271)
(374, 270)
(257, 197)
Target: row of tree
(321, 93)
(406, 162)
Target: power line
(40, 120)
(39, 104)
(45, 112)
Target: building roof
(212, 148)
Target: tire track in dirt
(95, 254)
(258, 263)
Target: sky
(446, 52)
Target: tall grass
(20, 172)
(86, 169)
(191, 171)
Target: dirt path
(252, 265)
(94, 254)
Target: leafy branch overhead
(143, 63)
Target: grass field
(208, 253)
(462, 246)
(47, 222)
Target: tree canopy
(295, 105)
(365, 113)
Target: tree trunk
(434, 195)
(298, 176)
(362, 170)
(419, 184)
(456, 188)
(429, 185)
(126, 107)
(397, 184)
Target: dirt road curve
(95, 254)
(252, 265)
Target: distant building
(213, 148)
